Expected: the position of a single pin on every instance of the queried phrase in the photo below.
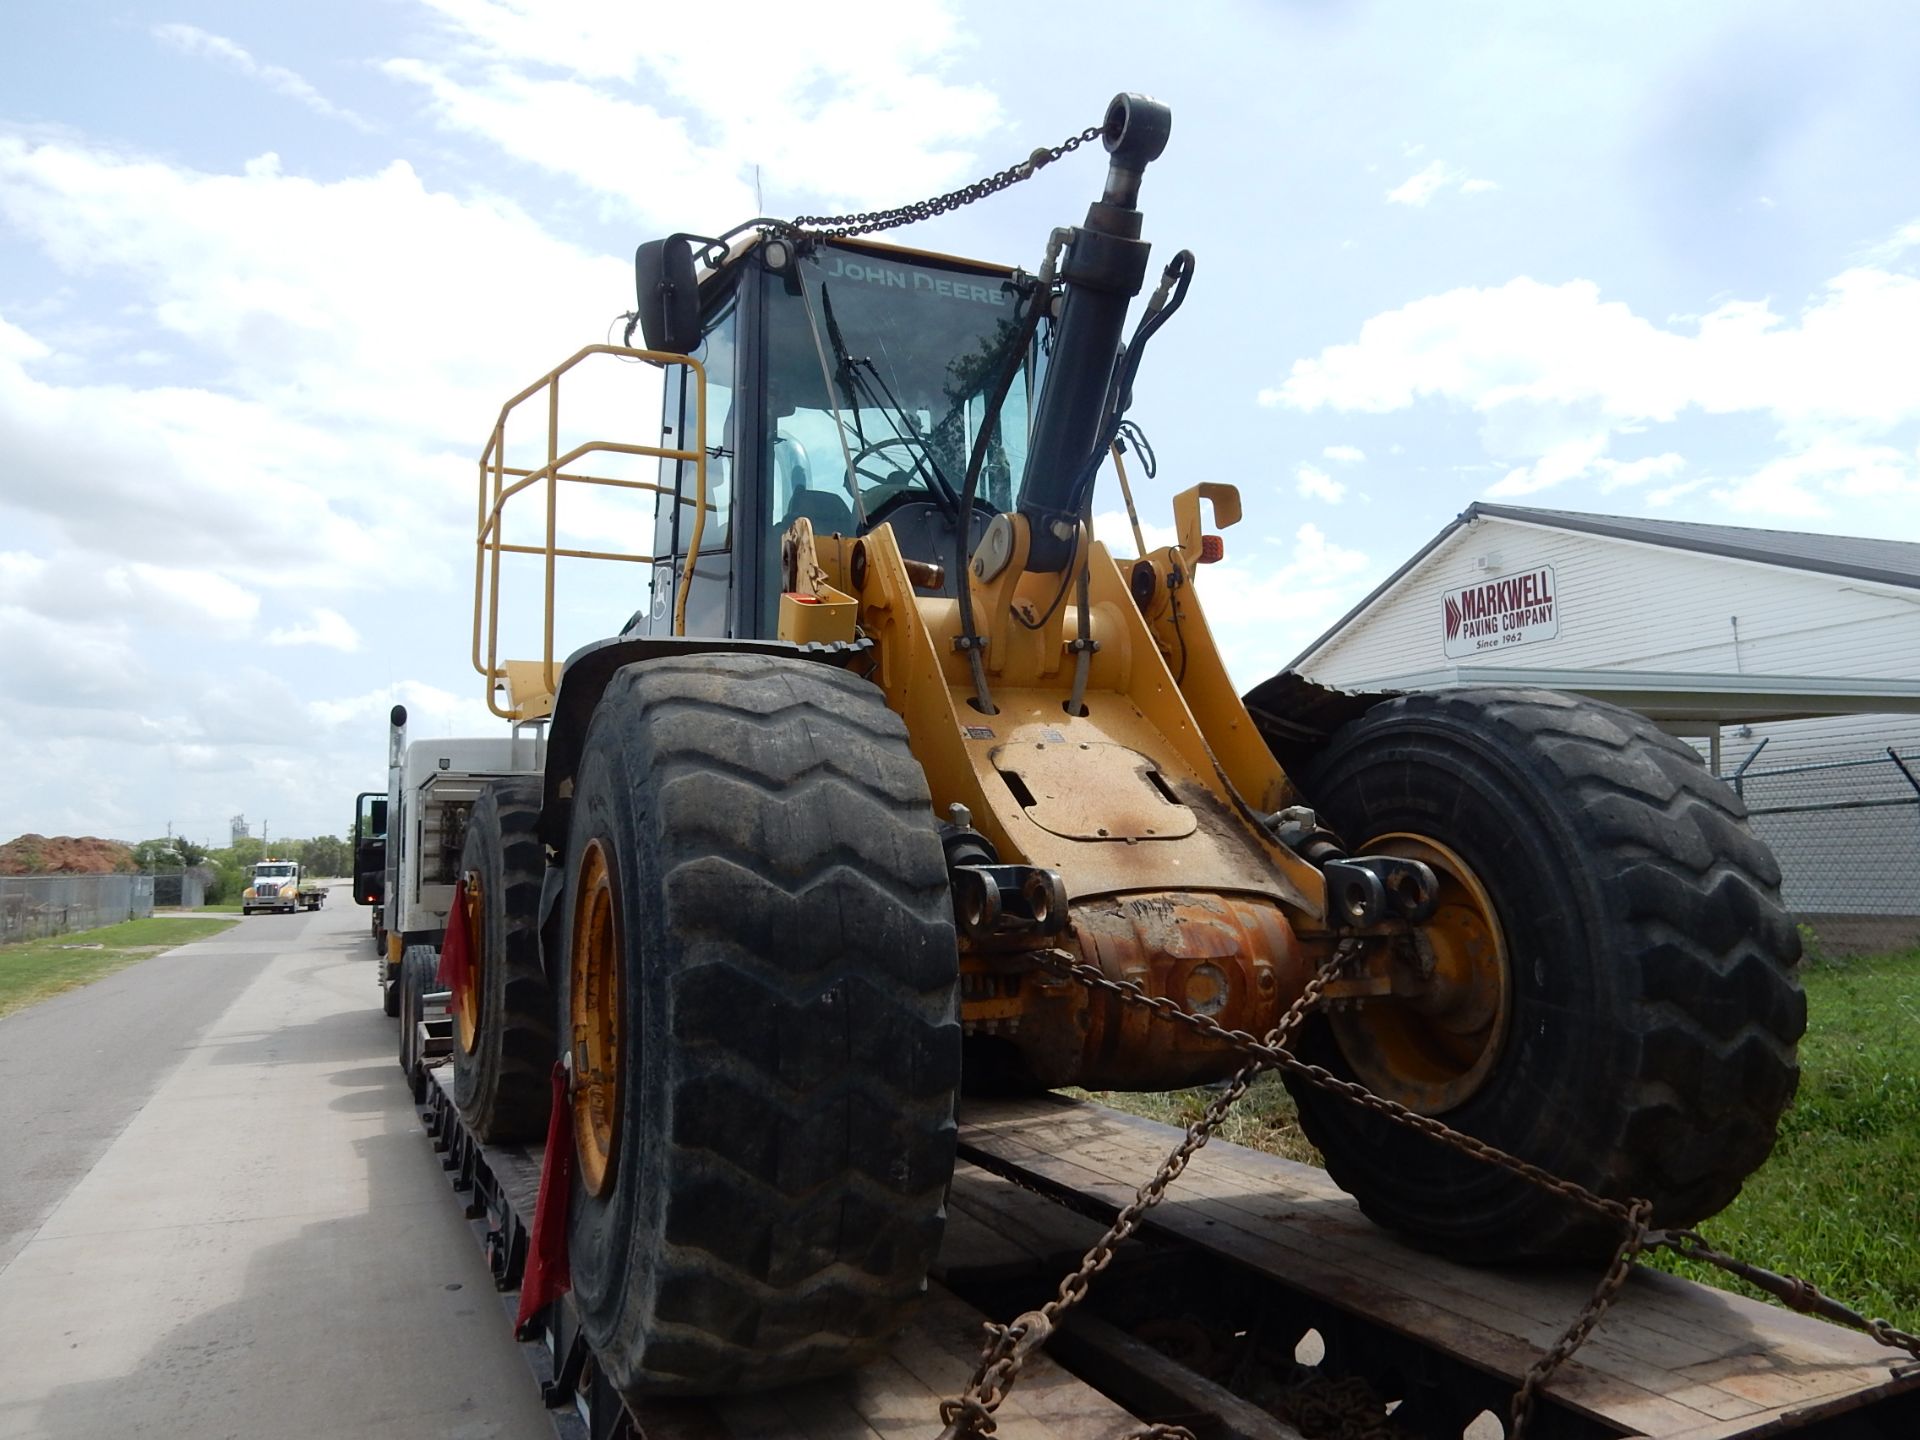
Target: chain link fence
(1847, 834)
(33, 906)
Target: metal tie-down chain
(838, 227)
(1790, 1290)
(1008, 1345)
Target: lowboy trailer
(1257, 1303)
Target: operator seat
(829, 513)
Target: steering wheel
(866, 468)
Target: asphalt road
(218, 1215)
(75, 1069)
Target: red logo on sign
(1453, 618)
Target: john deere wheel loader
(825, 829)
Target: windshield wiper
(924, 461)
(833, 398)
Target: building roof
(1884, 562)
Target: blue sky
(267, 272)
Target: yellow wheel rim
(466, 1007)
(1433, 1049)
(593, 1014)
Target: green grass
(1839, 1201)
(1263, 1120)
(32, 970)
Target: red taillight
(1212, 548)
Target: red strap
(456, 973)
(547, 1277)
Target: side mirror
(667, 294)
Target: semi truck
(407, 841)
(277, 885)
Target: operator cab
(847, 382)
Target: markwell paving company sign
(1497, 614)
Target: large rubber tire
(419, 969)
(1650, 1041)
(791, 1041)
(502, 1087)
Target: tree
(223, 880)
(152, 855)
(325, 855)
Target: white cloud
(328, 628)
(1585, 457)
(1262, 614)
(1312, 483)
(431, 711)
(1421, 186)
(192, 40)
(643, 113)
(619, 148)
(1842, 358)
(350, 372)
(339, 351)
(1344, 454)
(1114, 529)
(1563, 462)
(1556, 372)
(361, 296)
(74, 585)
(1896, 245)
(46, 659)
(1619, 474)
(1666, 495)
(1801, 483)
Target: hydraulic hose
(1172, 293)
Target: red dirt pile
(65, 855)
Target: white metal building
(1781, 652)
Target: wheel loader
(897, 752)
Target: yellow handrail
(495, 491)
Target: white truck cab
(274, 885)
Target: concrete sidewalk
(268, 1248)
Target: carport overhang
(1690, 702)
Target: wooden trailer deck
(1671, 1359)
(1247, 1253)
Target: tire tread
(814, 1035)
(502, 1089)
(1715, 1008)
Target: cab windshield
(878, 373)
(273, 872)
